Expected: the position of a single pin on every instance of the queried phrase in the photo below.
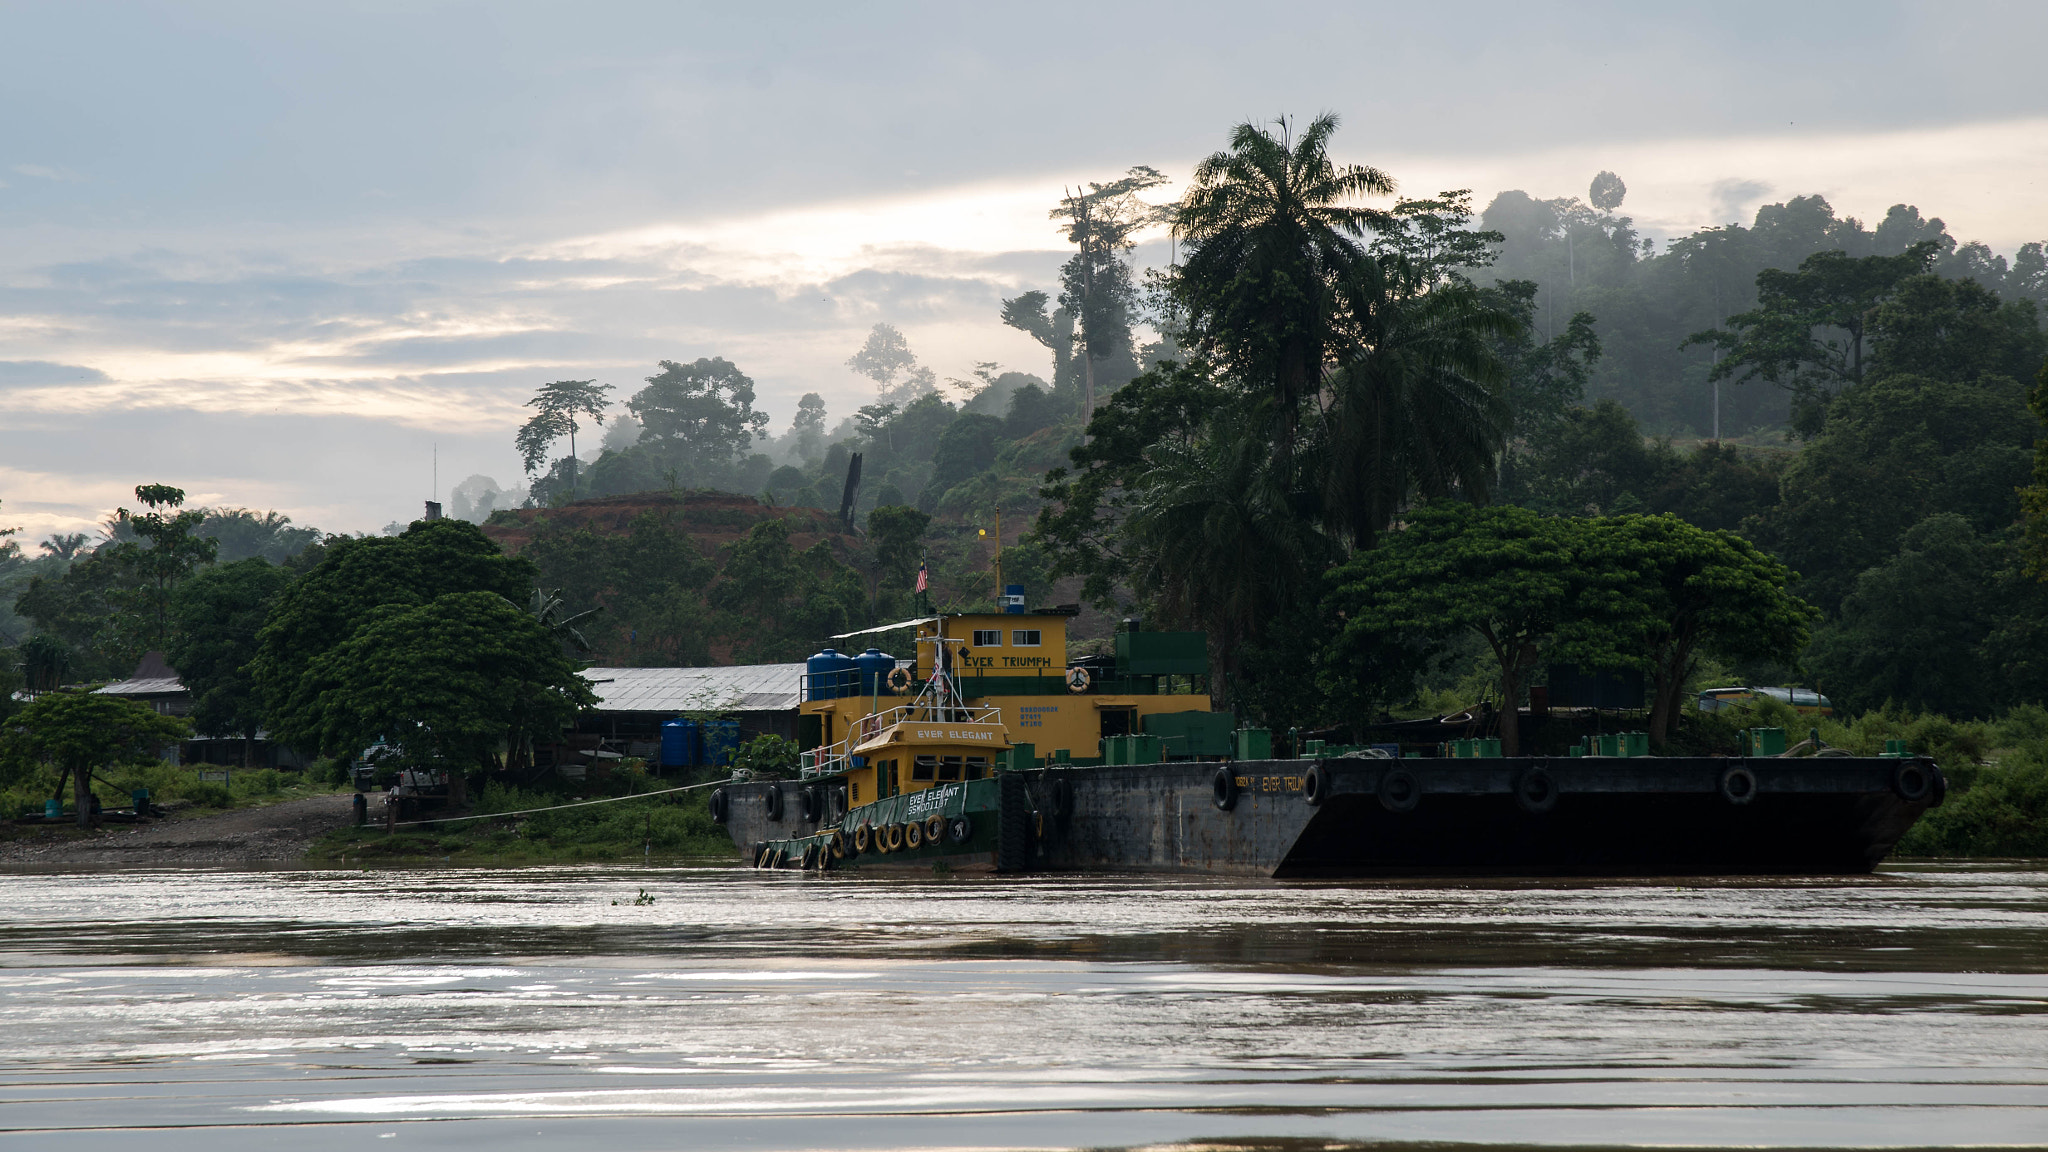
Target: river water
(558, 1008)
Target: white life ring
(1079, 679)
(899, 679)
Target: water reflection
(465, 1007)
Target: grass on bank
(674, 826)
(170, 784)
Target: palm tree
(1273, 259)
(1418, 410)
(1218, 537)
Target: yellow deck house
(1025, 703)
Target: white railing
(939, 702)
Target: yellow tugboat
(903, 759)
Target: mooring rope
(559, 807)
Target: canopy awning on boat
(886, 627)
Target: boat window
(977, 767)
(988, 637)
(1025, 637)
(949, 768)
(924, 767)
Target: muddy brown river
(723, 1009)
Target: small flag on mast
(923, 578)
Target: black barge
(1359, 816)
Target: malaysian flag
(923, 578)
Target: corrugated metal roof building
(633, 702)
(745, 688)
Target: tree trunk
(81, 793)
(1510, 713)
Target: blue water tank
(1013, 599)
(830, 675)
(875, 666)
(679, 744)
(721, 740)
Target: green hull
(968, 813)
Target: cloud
(46, 172)
(1733, 198)
(32, 373)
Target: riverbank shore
(279, 833)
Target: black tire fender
(1536, 790)
(836, 846)
(721, 806)
(1013, 824)
(1940, 789)
(761, 854)
(863, 837)
(1400, 790)
(1912, 781)
(1062, 797)
(892, 838)
(813, 805)
(959, 829)
(1315, 785)
(1223, 787)
(774, 799)
(1738, 784)
(934, 828)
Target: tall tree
(885, 356)
(808, 427)
(1809, 330)
(173, 551)
(556, 408)
(1274, 250)
(698, 418)
(1095, 284)
(1216, 539)
(1027, 313)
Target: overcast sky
(274, 253)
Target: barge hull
(1375, 817)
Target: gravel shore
(273, 834)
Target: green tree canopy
(781, 600)
(218, 614)
(2034, 497)
(78, 732)
(1895, 451)
(1683, 591)
(326, 607)
(698, 417)
(1505, 573)
(450, 681)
